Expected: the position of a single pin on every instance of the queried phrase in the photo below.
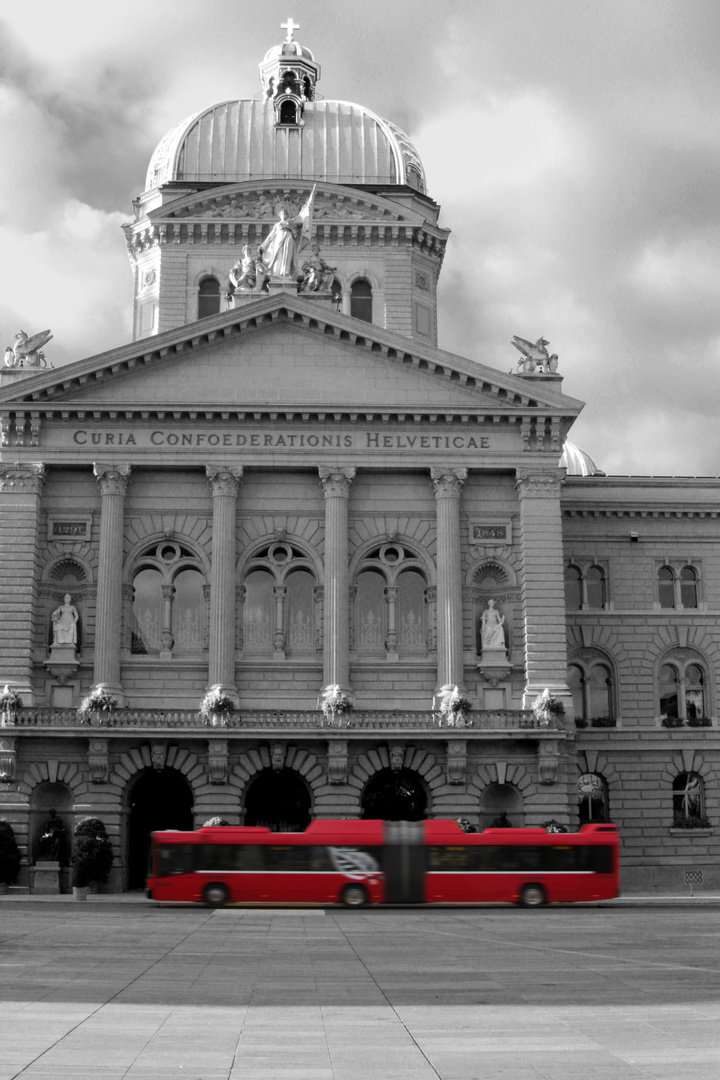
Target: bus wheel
(215, 895)
(532, 896)
(354, 896)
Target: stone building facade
(280, 489)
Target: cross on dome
(290, 26)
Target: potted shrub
(9, 856)
(10, 702)
(216, 708)
(92, 856)
(548, 709)
(454, 708)
(335, 703)
(99, 704)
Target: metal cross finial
(290, 26)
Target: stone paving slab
(141, 992)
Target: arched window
(278, 616)
(678, 586)
(689, 801)
(585, 587)
(591, 683)
(208, 297)
(390, 610)
(361, 300)
(288, 112)
(168, 602)
(683, 691)
(592, 798)
(666, 587)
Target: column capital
(448, 482)
(539, 484)
(19, 477)
(224, 479)
(112, 479)
(336, 482)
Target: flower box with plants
(216, 708)
(9, 856)
(98, 705)
(682, 822)
(548, 709)
(671, 721)
(454, 708)
(699, 721)
(335, 704)
(10, 702)
(92, 857)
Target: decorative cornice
(224, 479)
(26, 478)
(448, 482)
(112, 479)
(336, 482)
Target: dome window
(288, 113)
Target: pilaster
(224, 483)
(112, 481)
(336, 484)
(543, 589)
(20, 488)
(448, 485)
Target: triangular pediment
(285, 354)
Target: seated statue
(315, 273)
(65, 620)
(492, 635)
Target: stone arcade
(283, 485)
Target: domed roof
(337, 141)
(288, 48)
(577, 462)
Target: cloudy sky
(574, 146)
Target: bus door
(404, 862)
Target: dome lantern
(288, 74)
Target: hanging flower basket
(99, 704)
(335, 703)
(548, 709)
(216, 708)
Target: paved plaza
(119, 989)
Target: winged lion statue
(535, 355)
(26, 352)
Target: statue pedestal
(494, 666)
(63, 662)
(282, 284)
(46, 878)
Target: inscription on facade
(282, 440)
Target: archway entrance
(158, 800)
(501, 806)
(278, 800)
(394, 796)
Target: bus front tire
(215, 895)
(532, 895)
(354, 896)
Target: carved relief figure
(492, 635)
(64, 620)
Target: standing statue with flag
(280, 248)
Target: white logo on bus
(353, 863)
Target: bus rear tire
(354, 896)
(532, 895)
(215, 895)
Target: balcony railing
(269, 720)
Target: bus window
(173, 859)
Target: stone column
(20, 488)
(336, 485)
(224, 482)
(448, 485)
(543, 588)
(112, 481)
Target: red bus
(392, 862)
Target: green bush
(9, 854)
(92, 853)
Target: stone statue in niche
(52, 838)
(492, 633)
(65, 620)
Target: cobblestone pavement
(122, 990)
